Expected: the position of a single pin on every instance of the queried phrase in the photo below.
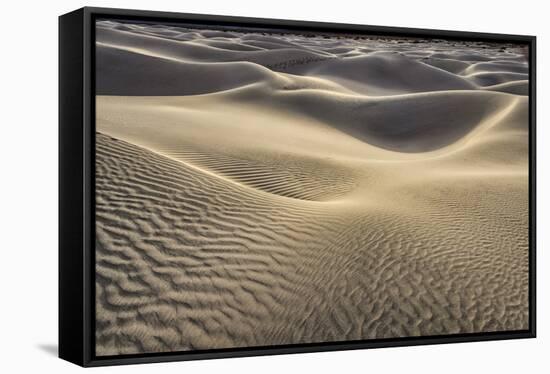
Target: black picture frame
(76, 185)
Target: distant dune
(256, 188)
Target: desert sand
(258, 188)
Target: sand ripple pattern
(279, 175)
(185, 261)
(257, 188)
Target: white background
(28, 184)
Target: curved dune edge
(323, 181)
(520, 87)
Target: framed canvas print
(238, 186)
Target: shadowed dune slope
(389, 73)
(513, 87)
(201, 52)
(131, 72)
(489, 78)
(391, 70)
(404, 123)
(128, 73)
(408, 123)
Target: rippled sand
(260, 189)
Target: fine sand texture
(257, 188)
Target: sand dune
(513, 87)
(405, 123)
(387, 73)
(488, 79)
(255, 188)
(130, 73)
(193, 51)
(375, 73)
(450, 65)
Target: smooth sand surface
(260, 189)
